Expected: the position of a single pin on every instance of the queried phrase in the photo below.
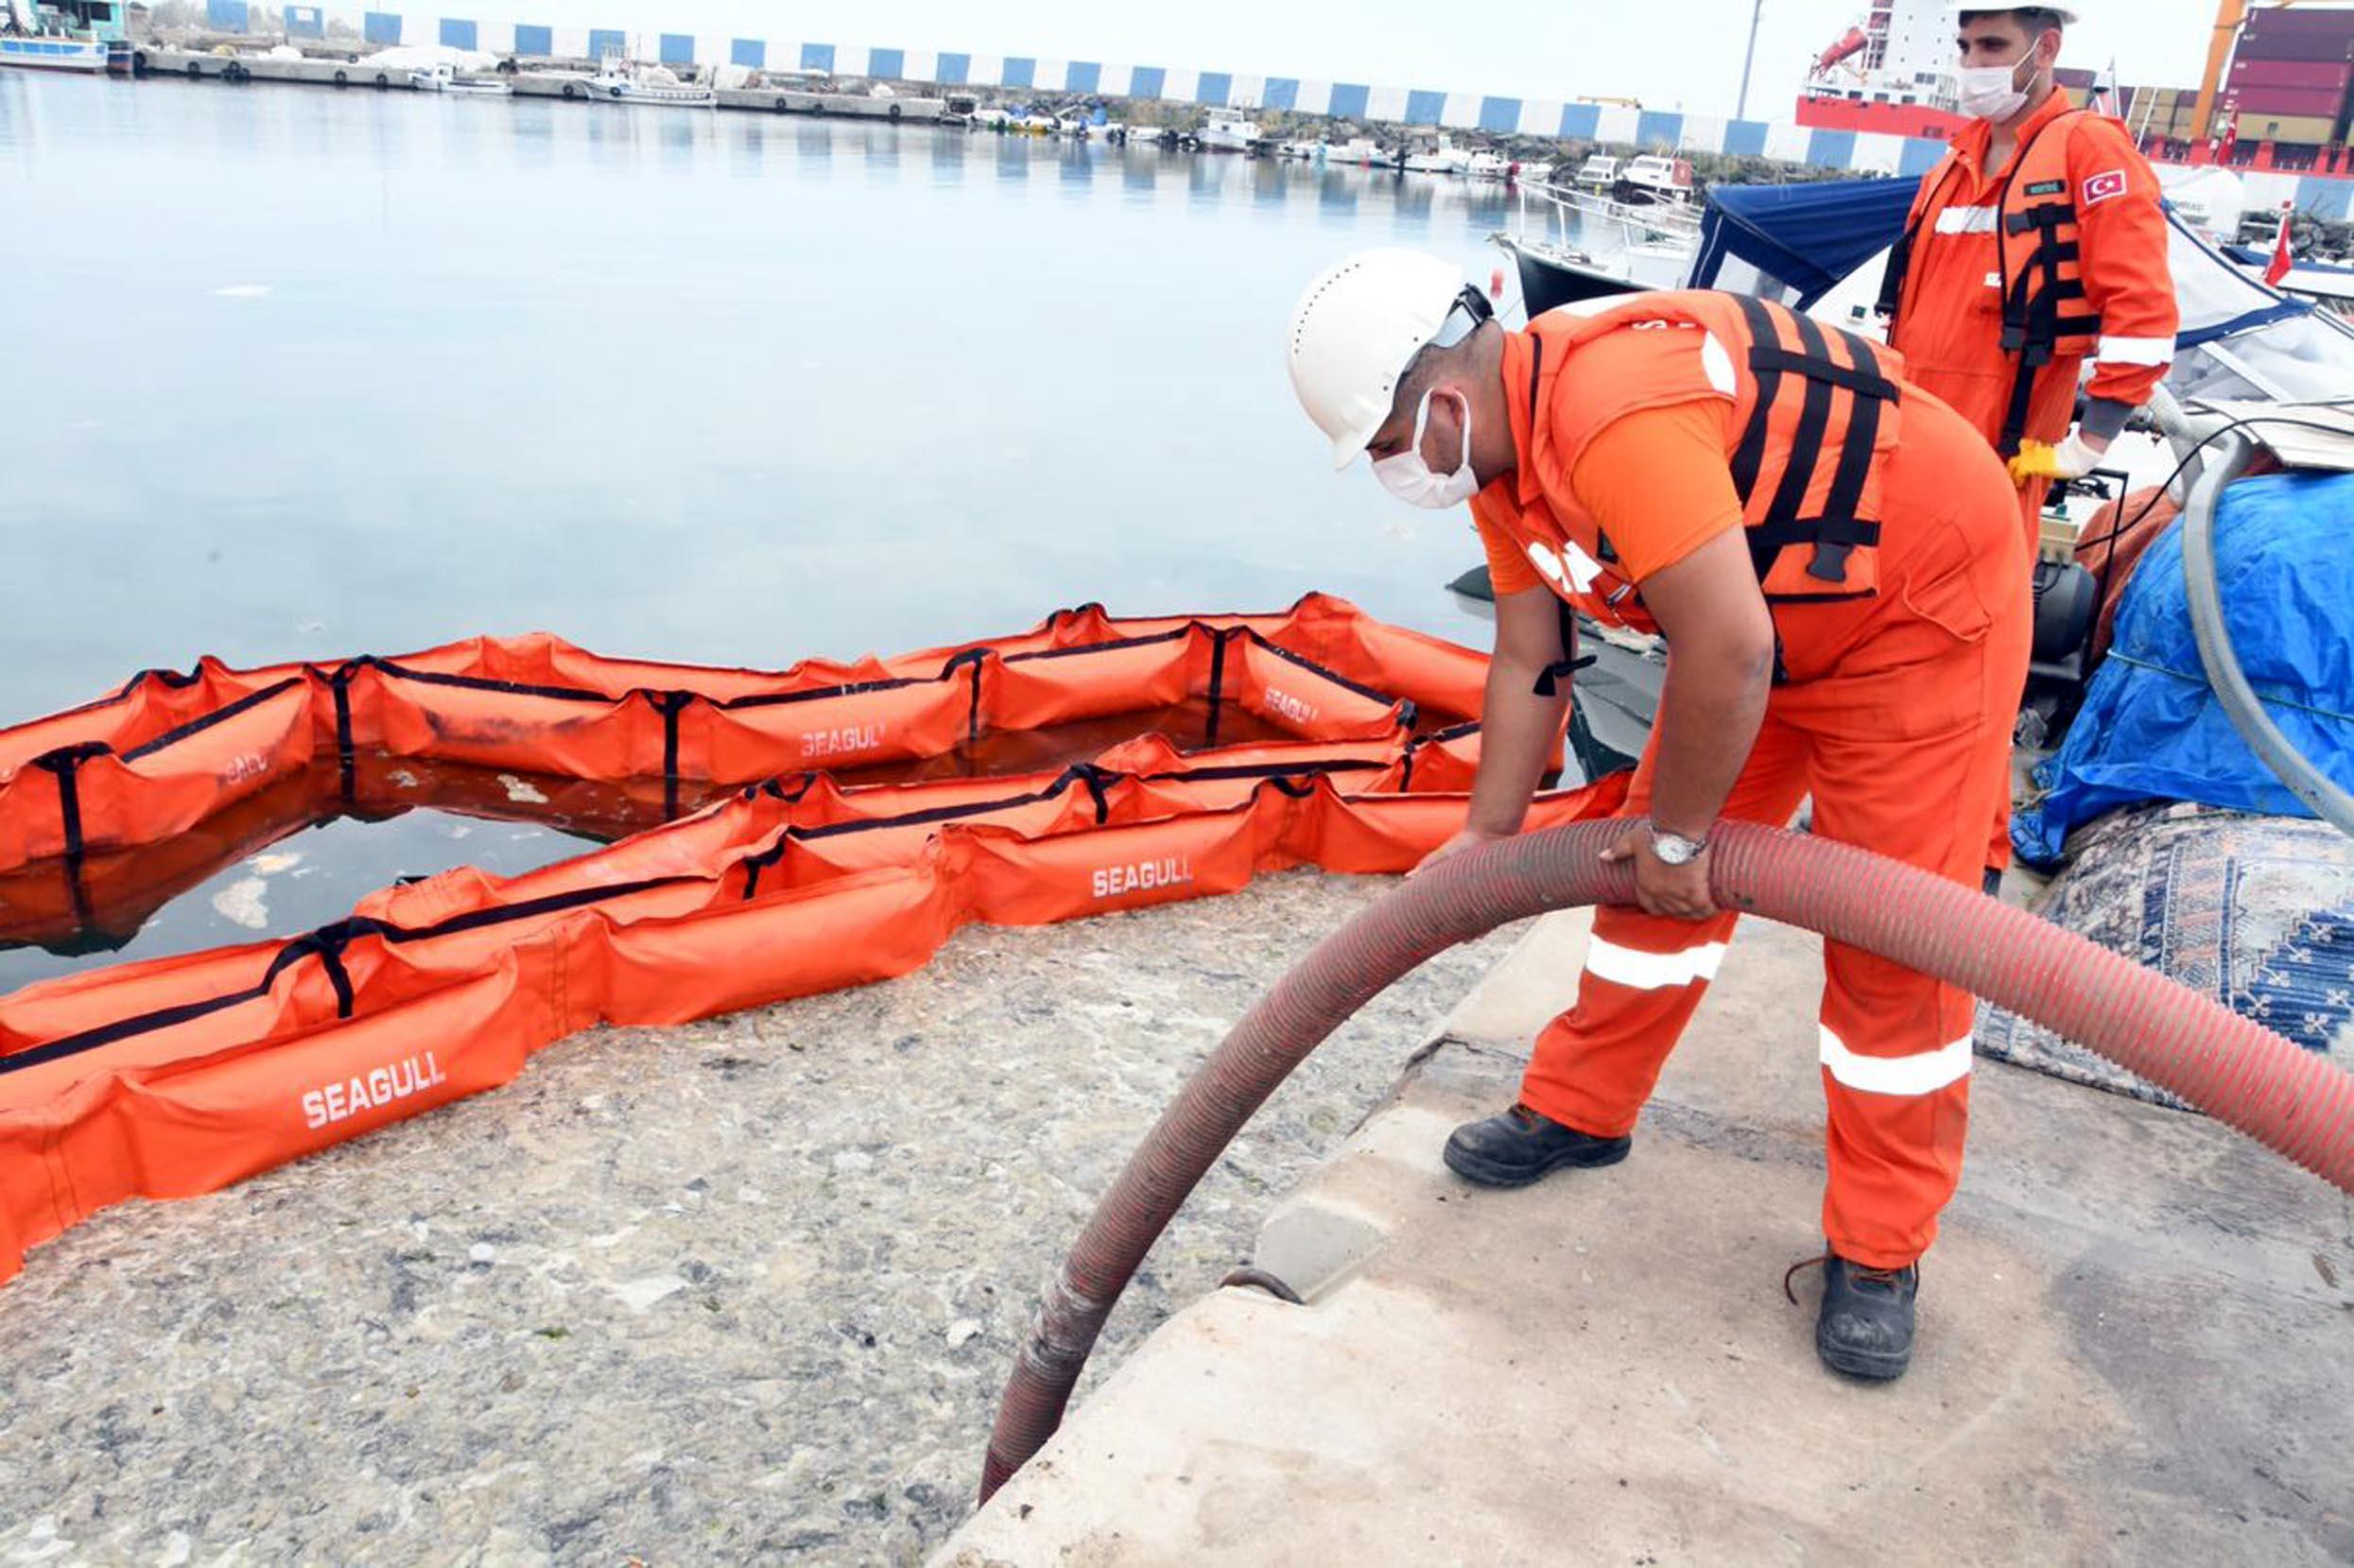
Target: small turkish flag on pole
(2283, 258)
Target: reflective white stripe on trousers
(1924, 1074)
(1638, 971)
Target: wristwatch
(1673, 849)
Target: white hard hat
(1357, 329)
(2066, 13)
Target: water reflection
(717, 387)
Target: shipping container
(2295, 48)
(2277, 102)
(2273, 25)
(2308, 76)
(2295, 131)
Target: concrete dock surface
(2137, 1340)
(743, 1291)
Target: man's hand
(1672, 892)
(1470, 838)
(2071, 459)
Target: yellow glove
(2071, 459)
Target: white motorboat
(621, 81)
(1306, 152)
(1533, 174)
(86, 35)
(1599, 173)
(1488, 165)
(1229, 130)
(1436, 155)
(444, 79)
(1656, 180)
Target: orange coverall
(1902, 735)
(1950, 317)
(1949, 325)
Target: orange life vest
(2045, 313)
(1817, 412)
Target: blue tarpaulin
(1807, 236)
(2151, 728)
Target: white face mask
(1408, 477)
(1993, 92)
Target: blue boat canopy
(1807, 237)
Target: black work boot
(1515, 1148)
(1864, 1328)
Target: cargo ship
(2285, 104)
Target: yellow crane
(2230, 18)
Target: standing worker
(1845, 615)
(2037, 244)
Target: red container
(2273, 26)
(2301, 76)
(2332, 48)
(2286, 103)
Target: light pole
(1757, 12)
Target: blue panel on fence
(457, 33)
(953, 70)
(1832, 149)
(891, 64)
(817, 57)
(1501, 115)
(1424, 107)
(1921, 154)
(380, 28)
(1020, 71)
(1349, 100)
(752, 53)
(1747, 138)
(305, 21)
(1658, 129)
(533, 39)
(225, 16)
(1581, 120)
(678, 48)
(1146, 81)
(607, 41)
(1081, 76)
(1216, 87)
(1282, 92)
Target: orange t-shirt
(1656, 482)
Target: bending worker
(1837, 566)
(2036, 244)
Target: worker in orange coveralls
(1837, 566)
(2036, 244)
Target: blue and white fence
(1662, 130)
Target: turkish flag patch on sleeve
(2102, 186)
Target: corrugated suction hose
(2296, 1103)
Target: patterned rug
(2256, 912)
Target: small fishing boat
(1230, 130)
(621, 81)
(444, 78)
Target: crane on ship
(2231, 17)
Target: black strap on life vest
(1836, 529)
(1900, 256)
(2035, 308)
(2033, 323)
(1550, 679)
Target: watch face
(1673, 850)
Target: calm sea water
(297, 373)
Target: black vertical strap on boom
(1218, 680)
(670, 705)
(65, 764)
(346, 759)
(971, 660)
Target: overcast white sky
(1669, 53)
